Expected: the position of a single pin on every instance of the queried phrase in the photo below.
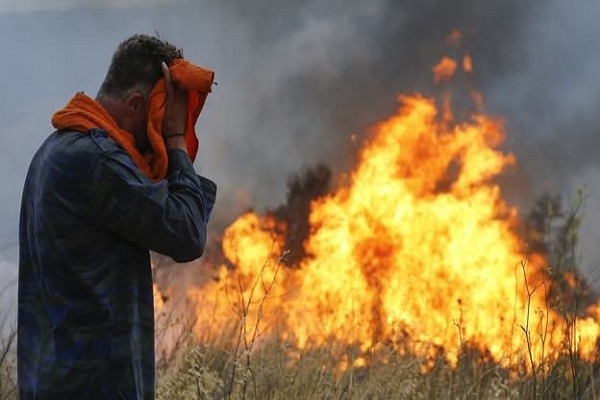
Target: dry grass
(8, 366)
(276, 371)
(230, 366)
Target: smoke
(329, 70)
(20, 6)
(298, 78)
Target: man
(95, 202)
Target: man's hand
(174, 121)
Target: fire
(444, 70)
(418, 251)
(454, 38)
(467, 64)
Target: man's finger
(165, 71)
(169, 83)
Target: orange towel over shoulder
(83, 113)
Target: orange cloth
(197, 81)
(83, 113)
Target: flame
(467, 64)
(454, 38)
(443, 71)
(418, 251)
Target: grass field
(276, 371)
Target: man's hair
(136, 65)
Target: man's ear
(134, 103)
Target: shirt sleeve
(169, 217)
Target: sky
(297, 78)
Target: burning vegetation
(414, 251)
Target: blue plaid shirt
(85, 307)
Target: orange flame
(454, 38)
(419, 251)
(443, 71)
(467, 64)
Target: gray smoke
(298, 78)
